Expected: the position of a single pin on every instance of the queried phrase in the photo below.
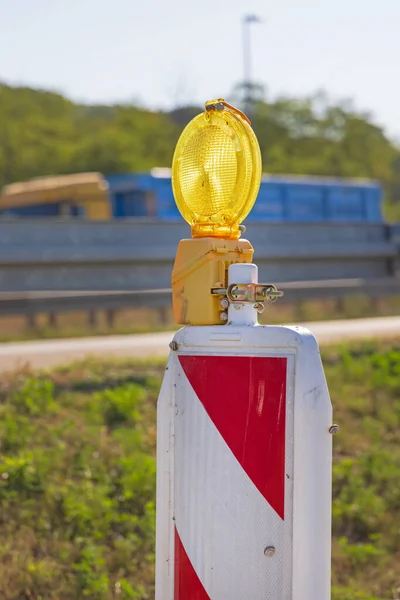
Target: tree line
(44, 133)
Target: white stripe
(224, 522)
(165, 477)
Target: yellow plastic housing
(216, 171)
(200, 266)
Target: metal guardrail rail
(40, 255)
(31, 304)
(72, 265)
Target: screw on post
(269, 551)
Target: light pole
(247, 76)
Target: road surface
(50, 353)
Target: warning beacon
(244, 417)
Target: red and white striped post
(244, 462)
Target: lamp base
(201, 265)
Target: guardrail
(31, 304)
(138, 255)
(71, 265)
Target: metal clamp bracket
(252, 293)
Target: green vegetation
(364, 382)
(77, 483)
(43, 133)
(77, 478)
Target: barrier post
(244, 415)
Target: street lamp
(247, 79)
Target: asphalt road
(50, 353)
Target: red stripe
(187, 585)
(245, 398)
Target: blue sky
(163, 53)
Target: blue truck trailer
(281, 198)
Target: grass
(77, 478)
(77, 483)
(364, 381)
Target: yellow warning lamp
(216, 171)
(216, 174)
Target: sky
(160, 53)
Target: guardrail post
(31, 320)
(52, 320)
(164, 312)
(92, 318)
(110, 317)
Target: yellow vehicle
(78, 195)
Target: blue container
(130, 195)
(317, 199)
(281, 198)
(166, 206)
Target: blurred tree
(43, 133)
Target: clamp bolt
(269, 551)
(260, 307)
(224, 302)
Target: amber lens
(205, 188)
(216, 173)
